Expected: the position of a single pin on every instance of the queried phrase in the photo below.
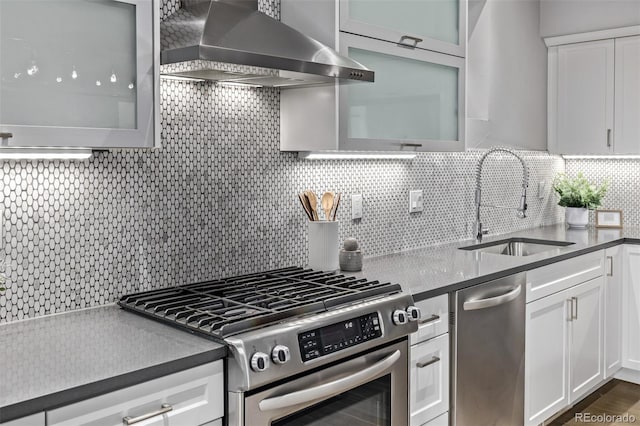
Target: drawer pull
(610, 259)
(4, 135)
(165, 408)
(432, 318)
(422, 364)
(415, 40)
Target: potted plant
(578, 196)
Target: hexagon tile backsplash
(220, 199)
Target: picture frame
(611, 219)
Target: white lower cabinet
(564, 349)
(429, 364)
(32, 420)
(191, 397)
(613, 310)
(631, 309)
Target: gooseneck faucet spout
(522, 207)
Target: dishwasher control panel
(338, 336)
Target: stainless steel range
(307, 347)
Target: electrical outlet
(416, 201)
(356, 206)
(542, 189)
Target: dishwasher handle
(490, 302)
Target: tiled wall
(624, 184)
(220, 199)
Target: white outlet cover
(356, 206)
(416, 201)
(542, 189)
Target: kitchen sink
(517, 246)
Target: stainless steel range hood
(231, 41)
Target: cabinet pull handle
(610, 273)
(165, 408)
(570, 301)
(415, 40)
(432, 318)
(422, 364)
(5, 135)
(609, 138)
(576, 314)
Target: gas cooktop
(222, 308)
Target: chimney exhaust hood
(231, 41)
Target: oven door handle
(329, 389)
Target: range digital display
(338, 336)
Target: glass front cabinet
(79, 73)
(417, 101)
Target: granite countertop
(59, 359)
(440, 269)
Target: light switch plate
(542, 189)
(356, 206)
(416, 201)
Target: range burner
(218, 309)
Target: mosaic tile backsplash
(220, 199)
(623, 176)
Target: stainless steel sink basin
(517, 246)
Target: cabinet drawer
(558, 276)
(441, 420)
(195, 395)
(434, 319)
(429, 379)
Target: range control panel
(338, 336)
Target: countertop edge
(111, 384)
(459, 285)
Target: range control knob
(280, 354)
(259, 361)
(413, 313)
(399, 317)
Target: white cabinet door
(627, 96)
(586, 343)
(631, 308)
(33, 420)
(547, 356)
(429, 379)
(437, 25)
(191, 397)
(613, 310)
(582, 86)
(441, 420)
(79, 73)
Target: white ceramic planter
(577, 217)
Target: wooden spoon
(327, 203)
(334, 208)
(306, 208)
(313, 203)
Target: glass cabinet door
(415, 103)
(437, 25)
(78, 73)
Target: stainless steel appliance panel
(489, 353)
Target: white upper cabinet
(594, 97)
(428, 24)
(79, 73)
(417, 101)
(627, 96)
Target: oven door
(368, 390)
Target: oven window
(367, 405)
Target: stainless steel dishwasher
(488, 353)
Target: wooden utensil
(306, 208)
(327, 203)
(313, 203)
(334, 208)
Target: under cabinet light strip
(180, 78)
(44, 154)
(601, 157)
(350, 155)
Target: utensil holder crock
(323, 245)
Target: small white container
(323, 245)
(577, 217)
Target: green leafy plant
(578, 192)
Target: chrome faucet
(521, 209)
